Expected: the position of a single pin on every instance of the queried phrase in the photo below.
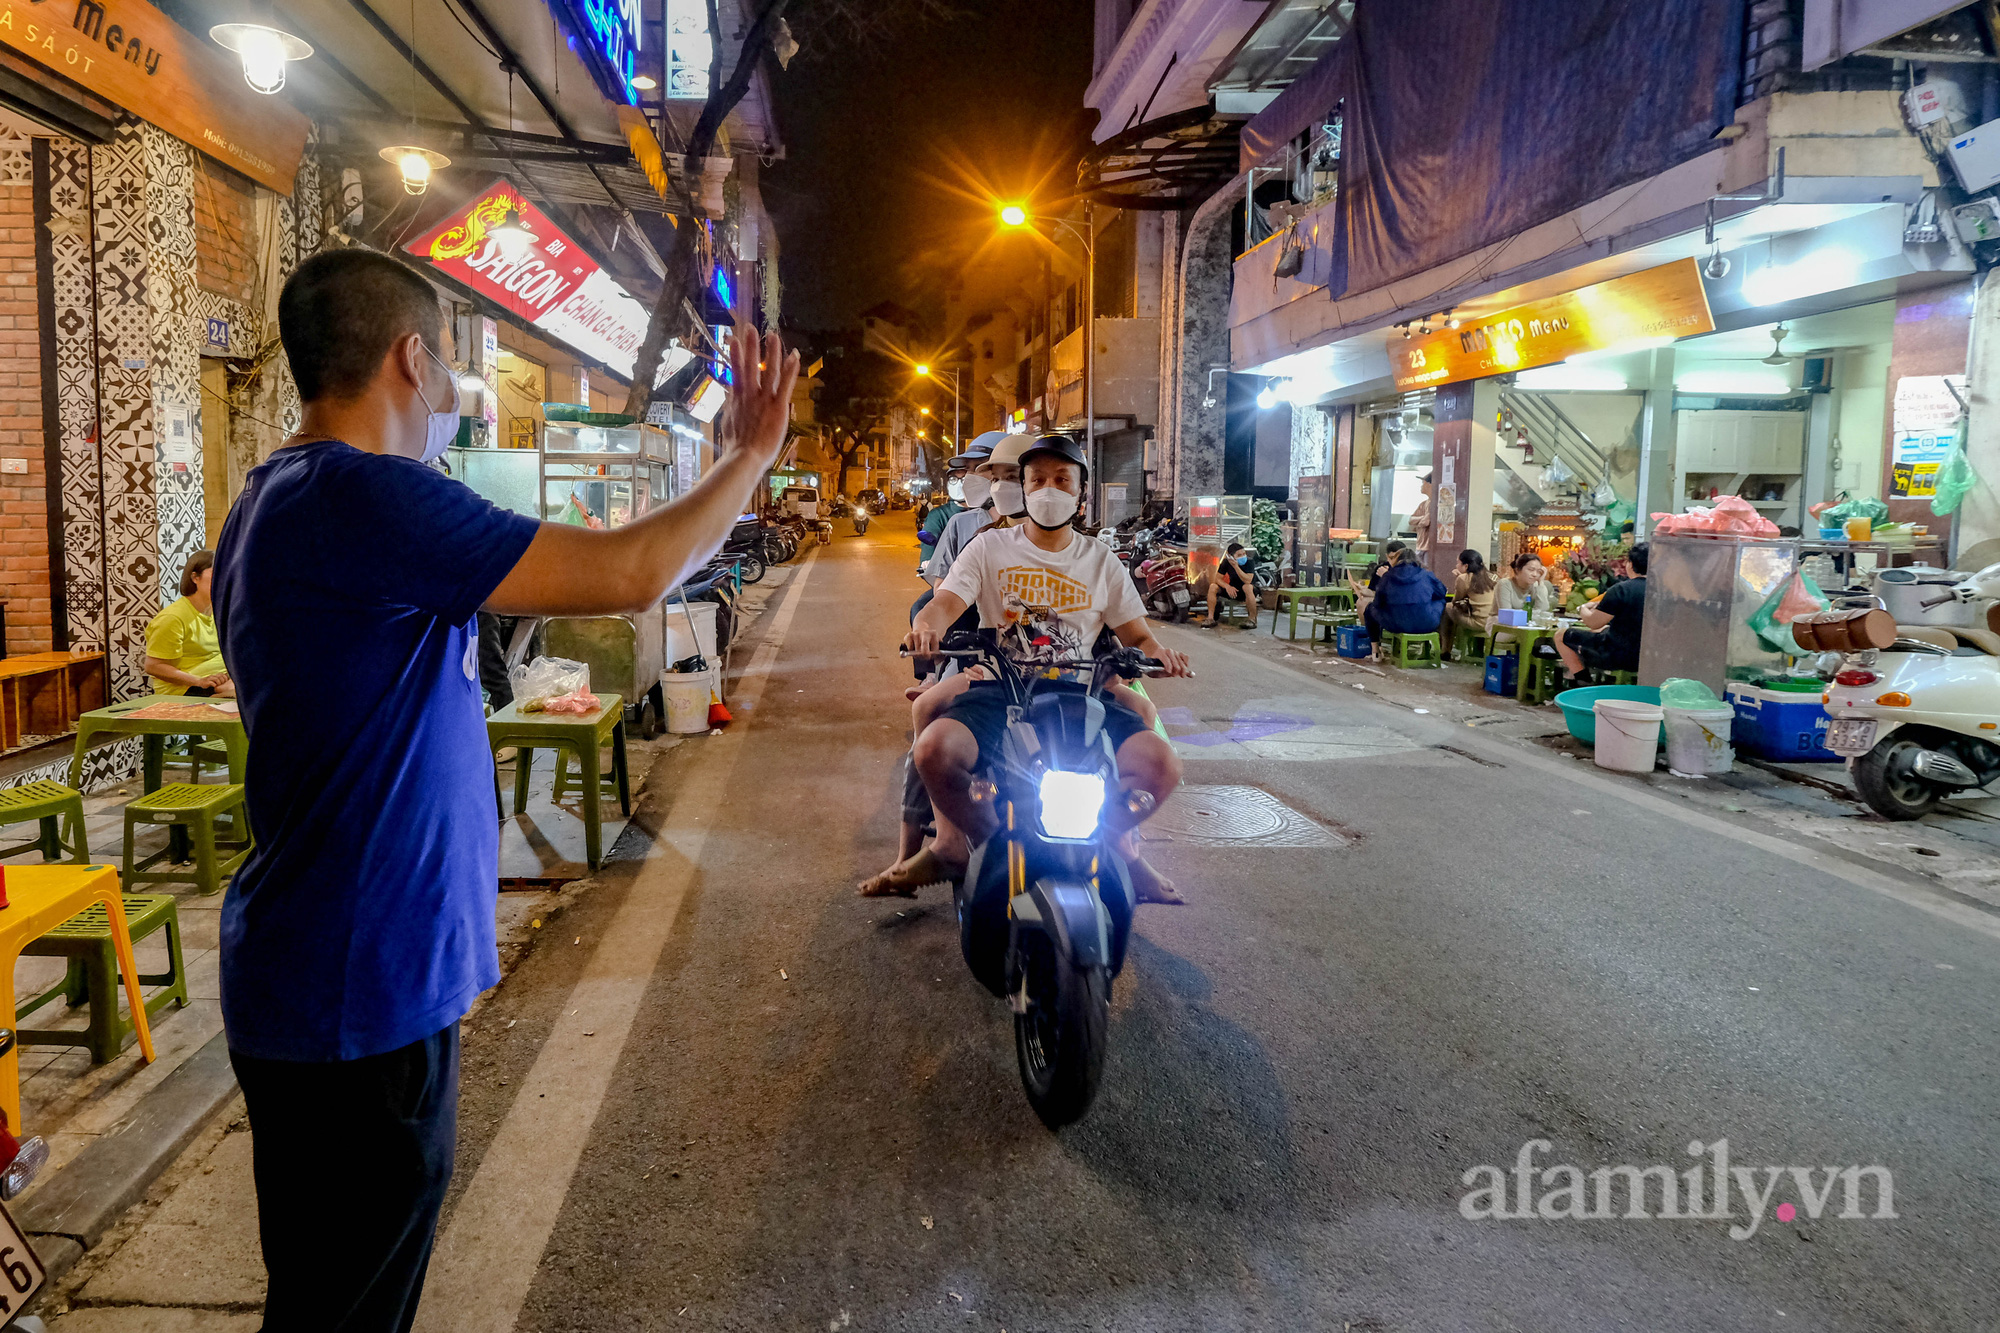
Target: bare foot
(903, 879)
(1150, 886)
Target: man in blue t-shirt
(361, 929)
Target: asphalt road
(814, 1120)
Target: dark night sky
(888, 152)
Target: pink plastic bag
(1732, 516)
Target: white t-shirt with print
(1066, 596)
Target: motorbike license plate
(21, 1271)
(1180, 596)
(1851, 735)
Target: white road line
(1888, 886)
(486, 1259)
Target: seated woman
(1472, 595)
(1409, 599)
(1526, 587)
(182, 653)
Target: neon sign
(605, 36)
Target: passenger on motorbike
(1066, 587)
(992, 491)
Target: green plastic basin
(1578, 706)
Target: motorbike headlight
(1071, 803)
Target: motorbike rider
(992, 491)
(955, 470)
(1065, 587)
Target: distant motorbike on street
(1913, 717)
(1045, 907)
(860, 521)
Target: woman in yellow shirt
(182, 652)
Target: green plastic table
(210, 724)
(1527, 636)
(583, 735)
(1289, 599)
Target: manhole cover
(1231, 816)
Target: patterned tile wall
(177, 342)
(75, 322)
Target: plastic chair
(85, 940)
(199, 808)
(1468, 642)
(1544, 677)
(50, 804)
(1408, 650)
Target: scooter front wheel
(1060, 1040)
(1886, 780)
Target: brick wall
(24, 542)
(225, 224)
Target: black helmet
(1066, 447)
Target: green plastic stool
(1619, 677)
(1407, 650)
(1465, 639)
(85, 940)
(198, 807)
(48, 803)
(1226, 608)
(1543, 675)
(1324, 628)
(197, 754)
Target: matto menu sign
(551, 283)
(1655, 304)
(130, 53)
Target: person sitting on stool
(1229, 582)
(1608, 637)
(1409, 599)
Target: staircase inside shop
(1551, 435)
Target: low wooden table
(40, 898)
(43, 694)
(583, 735)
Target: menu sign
(1664, 302)
(551, 283)
(1926, 423)
(130, 53)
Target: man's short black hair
(341, 312)
(1234, 547)
(1392, 548)
(1637, 558)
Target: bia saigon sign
(130, 53)
(552, 284)
(1654, 305)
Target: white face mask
(443, 426)
(1007, 499)
(954, 488)
(1051, 508)
(975, 490)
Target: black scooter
(1045, 908)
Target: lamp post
(923, 368)
(1014, 215)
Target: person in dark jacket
(1409, 599)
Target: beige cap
(1010, 449)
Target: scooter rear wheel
(1060, 1041)
(1885, 780)
(753, 566)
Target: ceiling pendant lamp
(513, 235)
(264, 50)
(416, 165)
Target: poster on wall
(1444, 509)
(1925, 421)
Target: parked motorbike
(1045, 907)
(1913, 717)
(1162, 580)
(751, 545)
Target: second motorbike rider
(1066, 587)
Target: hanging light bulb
(1451, 321)
(264, 51)
(416, 164)
(513, 235)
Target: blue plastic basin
(1578, 711)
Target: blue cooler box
(1777, 724)
(1351, 640)
(1500, 669)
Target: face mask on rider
(1051, 508)
(1007, 499)
(975, 490)
(443, 426)
(955, 489)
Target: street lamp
(923, 368)
(1014, 215)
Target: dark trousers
(352, 1159)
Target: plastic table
(1289, 599)
(40, 898)
(583, 735)
(209, 723)
(1528, 636)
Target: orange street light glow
(923, 369)
(1014, 215)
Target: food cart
(599, 473)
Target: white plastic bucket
(1628, 734)
(1698, 740)
(687, 701)
(680, 644)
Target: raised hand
(760, 404)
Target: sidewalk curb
(73, 1209)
